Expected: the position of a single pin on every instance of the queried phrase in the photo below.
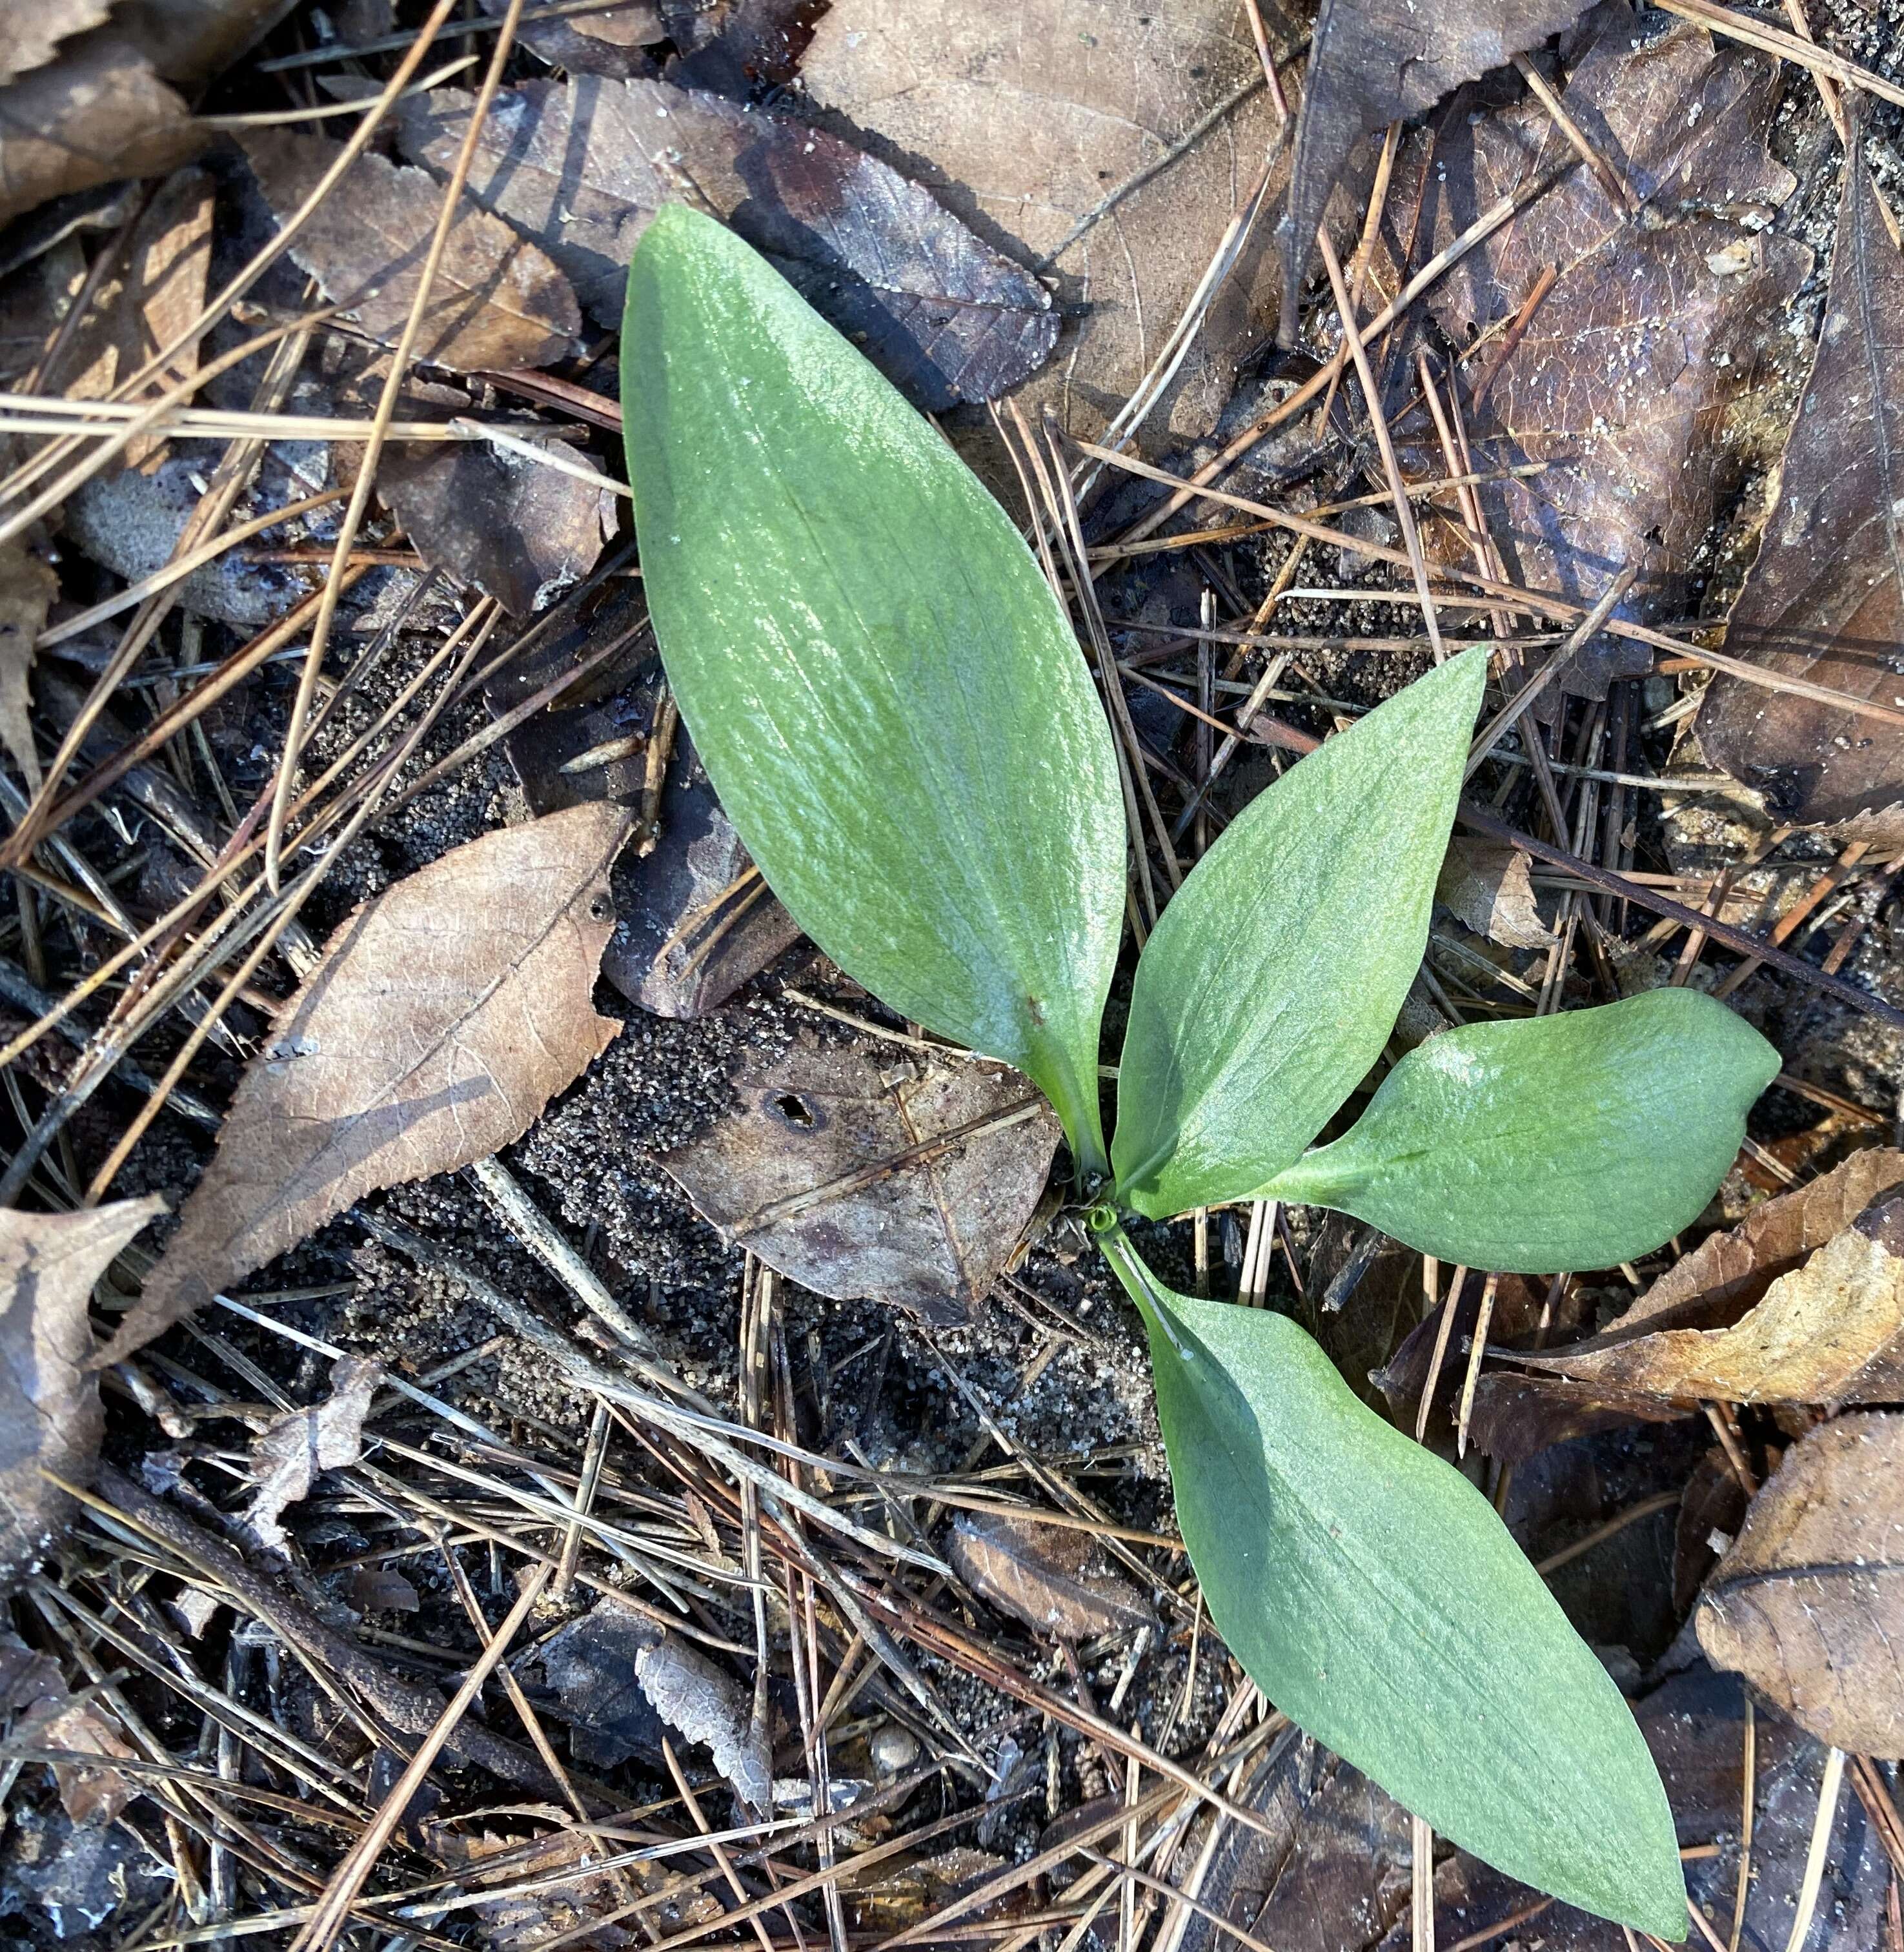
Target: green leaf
(1371, 1592)
(887, 696)
(1275, 975)
(1575, 1141)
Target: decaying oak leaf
(1107, 145)
(99, 113)
(708, 1705)
(1824, 601)
(517, 530)
(1830, 1332)
(1372, 62)
(446, 1012)
(30, 35)
(287, 1456)
(27, 588)
(496, 300)
(1809, 1605)
(50, 1418)
(1050, 1577)
(871, 1170)
(579, 167)
(1623, 378)
(1488, 887)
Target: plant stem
(1138, 1283)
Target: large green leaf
(1274, 979)
(1371, 1592)
(885, 691)
(1574, 1141)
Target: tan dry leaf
(27, 588)
(288, 1455)
(1046, 1575)
(1830, 1332)
(31, 31)
(1809, 1605)
(816, 1170)
(495, 300)
(190, 41)
(49, 1400)
(87, 1795)
(1111, 144)
(705, 1703)
(97, 114)
(1488, 887)
(445, 1015)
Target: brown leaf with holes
(1623, 381)
(1372, 62)
(1107, 146)
(50, 1418)
(288, 1455)
(517, 530)
(496, 300)
(27, 589)
(580, 167)
(1824, 601)
(875, 1171)
(99, 113)
(1488, 887)
(1809, 1605)
(1051, 1577)
(446, 1013)
(1830, 1332)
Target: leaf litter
(943, 156)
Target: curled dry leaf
(1372, 62)
(1488, 887)
(1809, 1605)
(445, 1015)
(287, 1457)
(1824, 601)
(1051, 1577)
(581, 167)
(1621, 380)
(495, 300)
(871, 1170)
(27, 588)
(705, 1703)
(1830, 1332)
(50, 1418)
(1108, 145)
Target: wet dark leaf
(872, 1170)
(1710, 1514)
(1627, 369)
(1809, 1605)
(590, 1664)
(1824, 601)
(1050, 1577)
(580, 168)
(1372, 62)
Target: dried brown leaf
(445, 1015)
(1824, 601)
(1830, 1332)
(496, 300)
(1516, 1417)
(30, 33)
(99, 113)
(708, 1705)
(49, 1400)
(818, 1170)
(1051, 1577)
(27, 588)
(1107, 146)
(1372, 62)
(1809, 1605)
(518, 530)
(89, 1796)
(287, 1456)
(1488, 887)
(190, 41)
(1627, 371)
(613, 42)
(580, 167)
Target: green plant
(890, 701)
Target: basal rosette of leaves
(894, 709)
